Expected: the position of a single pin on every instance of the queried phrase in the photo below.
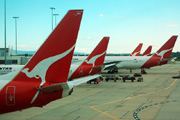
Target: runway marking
(128, 98)
(142, 108)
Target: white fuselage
(127, 62)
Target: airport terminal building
(12, 58)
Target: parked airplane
(92, 64)
(147, 51)
(137, 51)
(161, 57)
(44, 78)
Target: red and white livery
(147, 51)
(44, 78)
(161, 57)
(137, 51)
(92, 64)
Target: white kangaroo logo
(163, 52)
(39, 71)
(135, 54)
(93, 60)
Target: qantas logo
(93, 60)
(135, 54)
(39, 71)
(163, 52)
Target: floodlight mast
(5, 32)
(55, 18)
(16, 32)
(52, 8)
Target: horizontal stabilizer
(98, 67)
(54, 88)
(167, 60)
(79, 81)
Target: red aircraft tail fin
(148, 51)
(166, 49)
(93, 63)
(137, 51)
(52, 61)
(97, 56)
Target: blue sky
(127, 22)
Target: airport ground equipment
(140, 79)
(96, 81)
(128, 78)
(143, 72)
(137, 75)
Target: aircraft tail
(166, 49)
(97, 56)
(52, 61)
(137, 51)
(94, 62)
(148, 51)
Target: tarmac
(156, 98)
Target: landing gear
(70, 92)
(143, 71)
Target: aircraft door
(10, 96)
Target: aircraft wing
(111, 62)
(79, 81)
(110, 65)
(107, 65)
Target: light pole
(52, 8)
(5, 32)
(55, 17)
(16, 32)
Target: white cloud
(94, 38)
(101, 15)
